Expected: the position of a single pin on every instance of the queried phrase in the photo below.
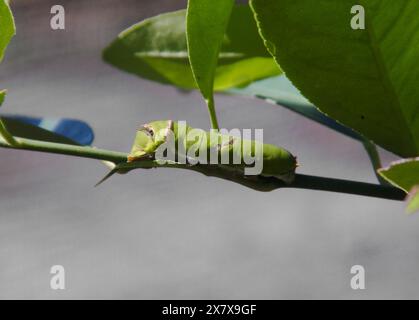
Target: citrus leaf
(2, 96)
(366, 79)
(279, 90)
(156, 49)
(7, 27)
(404, 174)
(413, 205)
(206, 23)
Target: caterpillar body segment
(198, 147)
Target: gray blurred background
(172, 234)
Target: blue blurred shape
(75, 130)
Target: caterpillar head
(148, 138)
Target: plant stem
(7, 136)
(347, 186)
(212, 113)
(258, 183)
(265, 184)
(67, 149)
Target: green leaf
(404, 174)
(279, 90)
(156, 49)
(206, 23)
(2, 96)
(413, 201)
(366, 79)
(7, 27)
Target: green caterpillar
(190, 147)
